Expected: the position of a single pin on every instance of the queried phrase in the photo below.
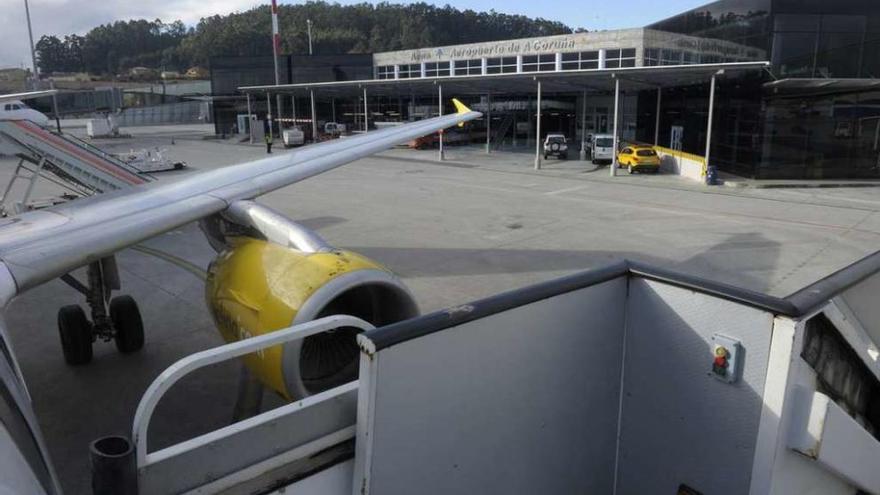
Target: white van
(602, 148)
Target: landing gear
(126, 318)
(122, 324)
(76, 335)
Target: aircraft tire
(76, 335)
(127, 321)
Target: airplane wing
(27, 96)
(41, 245)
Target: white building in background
(590, 50)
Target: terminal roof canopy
(575, 81)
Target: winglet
(459, 106)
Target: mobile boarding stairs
(627, 379)
(77, 166)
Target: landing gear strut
(122, 323)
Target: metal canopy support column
(366, 112)
(440, 112)
(616, 109)
(514, 131)
(488, 122)
(55, 107)
(356, 113)
(333, 108)
(269, 112)
(538, 131)
(250, 122)
(657, 119)
(709, 123)
(276, 45)
(583, 154)
(314, 117)
(293, 109)
(529, 120)
(279, 110)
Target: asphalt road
(455, 231)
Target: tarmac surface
(458, 230)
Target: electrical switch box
(726, 358)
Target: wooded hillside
(362, 28)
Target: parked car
(450, 138)
(555, 145)
(602, 148)
(637, 158)
(334, 128)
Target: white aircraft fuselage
(16, 110)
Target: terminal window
(408, 71)
(385, 72)
(658, 56)
(689, 58)
(436, 69)
(580, 60)
(625, 57)
(535, 63)
(671, 57)
(472, 67)
(501, 65)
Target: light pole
(276, 47)
(309, 27)
(27, 13)
(276, 39)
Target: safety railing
(80, 161)
(330, 417)
(98, 151)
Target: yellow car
(639, 159)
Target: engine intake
(255, 287)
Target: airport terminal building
(796, 93)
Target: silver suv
(555, 145)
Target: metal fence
(187, 112)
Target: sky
(60, 17)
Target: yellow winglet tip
(460, 107)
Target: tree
(50, 54)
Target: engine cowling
(255, 287)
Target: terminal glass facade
(818, 122)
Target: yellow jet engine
(272, 273)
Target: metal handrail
(32, 140)
(92, 148)
(218, 354)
